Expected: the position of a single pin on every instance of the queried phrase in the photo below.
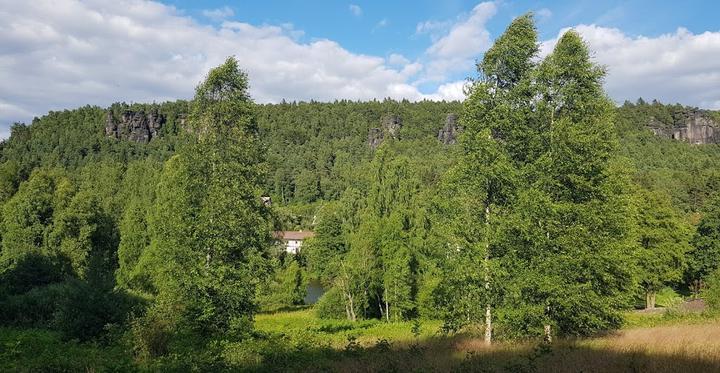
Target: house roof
(293, 235)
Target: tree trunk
(488, 309)
(649, 300)
(387, 307)
(548, 333)
(352, 308)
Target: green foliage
(662, 243)
(35, 350)
(711, 293)
(573, 222)
(209, 228)
(286, 288)
(704, 259)
(331, 305)
(28, 216)
(139, 183)
(85, 311)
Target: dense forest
(552, 212)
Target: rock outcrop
(136, 126)
(450, 131)
(390, 126)
(375, 137)
(693, 126)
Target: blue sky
(385, 27)
(57, 54)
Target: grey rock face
(692, 126)
(449, 133)
(390, 126)
(136, 126)
(375, 137)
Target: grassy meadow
(297, 340)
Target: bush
(85, 311)
(150, 335)
(29, 272)
(331, 305)
(711, 293)
(34, 308)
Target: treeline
(555, 211)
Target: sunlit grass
(337, 332)
(650, 342)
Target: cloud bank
(676, 67)
(57, 54)
(66, 53)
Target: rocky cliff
(136, 126)
(450, 131)
(693, 125)
(390, 126)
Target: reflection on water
(314, 291)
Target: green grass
(667, 297)
(337, 333)
(300, 341)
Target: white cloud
(455, 52)
(383, 23)
(453, 91)
(466, 38)
(433, 28)
(218, 14)
(58, 54)
(397, 59)
(356, 10)
(676, 67)
(543, 14)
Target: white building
(293, 240)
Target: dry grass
(679, 348)
(652, 343)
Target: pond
(314, 291)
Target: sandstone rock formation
(136, 126)
(450, 131)
(375, 137)
(390, 126)
(693, 126)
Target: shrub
(711, 293)
(84, 311)
(34, 308)
(331, 305)
(29, 272)
(150, 335)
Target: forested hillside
(552, 212)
